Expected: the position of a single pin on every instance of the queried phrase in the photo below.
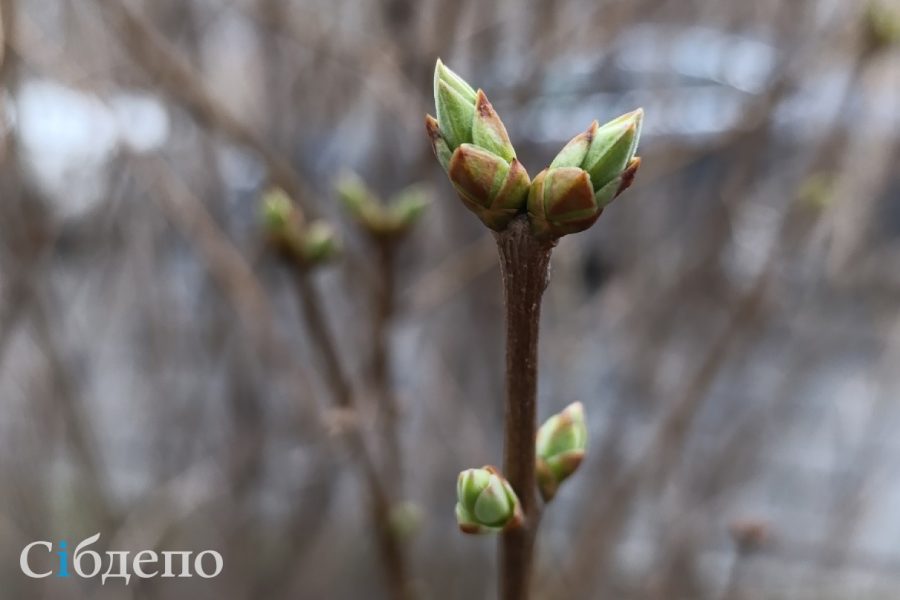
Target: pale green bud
(589, 172)
(306, 243)
(405, 519)
(486, 502)
(379, 219)
(319, 243)
(560, 446)
(471, 143)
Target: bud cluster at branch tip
(308, 243)
(588, 173)
(390, 219)
(561, 444)
(486, 502)
(471, 144)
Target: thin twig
(391, 552)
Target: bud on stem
(486, 503)
(472, 145)
(307, 243)
(588, 173)
(380, 219)
(561, 444)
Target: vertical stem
(525, 268)
(391, 552)
(381, 357)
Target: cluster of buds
(486, 502)
(561, 444)
(588, 173)
(306, 243)
(471, 143)
(881, 25)
(390, 219)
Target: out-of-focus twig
(160, 60)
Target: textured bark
(525, 267)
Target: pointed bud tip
(575, 410)
(482, 104)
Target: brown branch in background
(160, 59)
(392, 555)
(384, 308)
(525, 269)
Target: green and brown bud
(471, 144)
(486, 502)
(588, 173)
(561, 444)
(378, 218)
(308, 243)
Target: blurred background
(732, 323)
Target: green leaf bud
(560, 446)
(486, 502)
(472, 145)
(561, 200)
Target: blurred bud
(408, 206)
(486, 502)
(279, 213)
(882, 25)
(816, 193)
(319, 243)
(396, 218)
(588, 173)
(561, 444)
(405, 519)
(308, 243)
(471, 144)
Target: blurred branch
(391, 551)
(159, 59)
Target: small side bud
(287, 230)
(359, 201)
(561, 444)
(881, 25)
(405, 519)
(486, 502)
(319, 243)
(407, 207)
(377, 219)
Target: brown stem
(525, 268)
(381, 357)
(391, 551)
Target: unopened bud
(589, 172)
(472, 145)
(486, 502)
(561, 444)
(395, 218)
(307, 243)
